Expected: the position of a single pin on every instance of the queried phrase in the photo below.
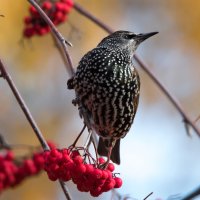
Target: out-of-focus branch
(191, 195)
(145, 67)
(23, 106)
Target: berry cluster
(13, 170)
(68, 165)
(56, 11)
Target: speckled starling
(108, 86)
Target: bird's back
(108, 87)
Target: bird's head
(125, 40)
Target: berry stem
(145, 67)
(79, 135)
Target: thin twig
(148, 196)
(192, 194)
(79, 135)
(23, 106)
(145, 67)
(65, 190)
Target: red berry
(81, 169)
(52, 177)
(104, 174)
(28, 20)
(96, 192)
(109, 185)
(110, 167)
(59, 6)
(118, 182)
(38, 160)
(47, 5)
(74, 154)
(29, 32)
(78, 160)
(101, 160)
(29, 167)
(68, 2)
(9, 156)
(51, 145)
(97, 173)
(66, 8)
(43, 31)
(54, 168)
(33, 11)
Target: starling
(108, 86)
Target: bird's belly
(112, 111)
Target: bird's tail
(102, 150)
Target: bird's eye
(129, 36)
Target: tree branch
(192, 194)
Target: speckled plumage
(108, 86)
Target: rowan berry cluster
(56, 11)
(65, 164)
(13, 170)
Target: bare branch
(192, 195)
(148, 196)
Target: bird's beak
(143, 36)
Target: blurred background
(157, 154)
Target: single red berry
(109, 185)
(51, 145)
(65, 151)
(28, 20)
(29, 167)
(96, 192)
(101, 160)
(43, 31)
(33, 11)
(29, 32)
(2, 177)
(52, 177)
(47, 5)
(54, 168)
(110, 167)
(9, 156)
(66, 8)
(68, 2)
(58, 15)
(104, 174)
(78, 160)
(118, 182)
(81, 169)
(59, 6)
(39, 160)
(74, 154)
(109, 174)
(97, 173)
